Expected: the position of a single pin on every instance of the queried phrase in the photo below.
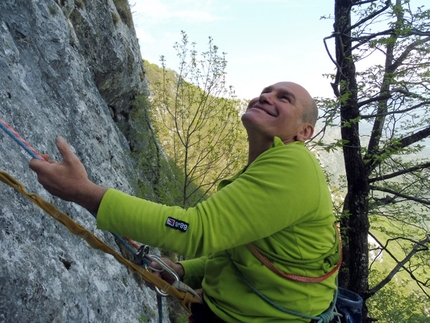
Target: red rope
(24, 144)
(303, 279)
(133, 243)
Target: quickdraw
(142, 260)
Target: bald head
(310, 112)
(306, 102)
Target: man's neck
(257, 147)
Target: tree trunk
(354, 222)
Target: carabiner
(143, 258)
(165, 267)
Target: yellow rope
(184, 297)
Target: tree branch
(417, 32)
(374, 99)
(407, 141)
(370, 116)
(369, 17)
(402, 143)
(419, 246)
(406, 52)
(363, 40)
(328, 51)
(399, 173)
(359, 3)
(408, 197)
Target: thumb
(65, 150)
(36, 164)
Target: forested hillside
(197, 120)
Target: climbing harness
(142, 259)
(305, 279)
(328, 315)
(325, 317)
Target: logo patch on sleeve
(176, 224)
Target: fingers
(36, 165)
(65, 150)
(155, 267)
(48, 159)
(63, 179)
(157, 271)
(166, 275)
(68, 179)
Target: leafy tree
(383, 111)
(197, 119)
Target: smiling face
(280, 111)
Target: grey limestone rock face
(69, 68)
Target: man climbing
(272, 219)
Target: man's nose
(265, 98)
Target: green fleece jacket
(280, 203)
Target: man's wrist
(180, 271)
(91, 196)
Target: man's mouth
(267, 111)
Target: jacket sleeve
(194, 271)
(280, 188)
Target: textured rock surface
(67, 68)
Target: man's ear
(306, 132)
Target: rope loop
(185, 297)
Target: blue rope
(160, 308)
(8, 129)
(125, 243)
(11, 133)
(35, 155)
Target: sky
(265, 41)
